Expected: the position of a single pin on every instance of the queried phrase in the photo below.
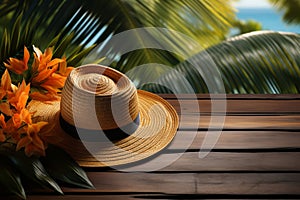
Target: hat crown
(96, 97)
(96, 83)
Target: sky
(252, 4)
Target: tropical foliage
(201, 60)
(68, 30)
(72, 27)
(23, 138)
(262, 62)
(247, 26)
(290, 9)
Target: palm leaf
(10, 180)
(258, 62)
(289, 8)
(29, 22)
(203, 21)
(93, 22)
(62, 167)
(33, 170)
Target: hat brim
(158, 126)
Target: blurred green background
(260, 62)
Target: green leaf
(33, 170)
(63, 168)
(54, 41)
(61, 49)
(289, 9)
(10, 181)
(75, 58)
(15, 37)
(70, 24)
(262, 62)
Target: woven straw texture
(94, 92)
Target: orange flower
(5, 108)
(54, 82)
(10, 130)
(19, 66)
(19, 118)
(6, 81)
(2, 136)
(45, 97)
(64, 70)
(3, 126)
(31, 141)
(2, 121)
(26, 116)
(42, 59)
(5, 84)
(49, 74)
(46, 71)
(19, 98)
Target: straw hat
(102, 120)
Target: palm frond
(205, 22)
(289, 8)
(28, 22)
(258, 62)
(74, 26)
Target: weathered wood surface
(238, 106)
(257, 155)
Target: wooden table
(257, 155)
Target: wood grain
(218, 161)
(230, 140)
(194, 183)
(257, 154)
(244, 97)
(115, 183)
(287, 122)
(90, 196)
(237, 106)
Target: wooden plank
(231, 96)
(193, 183)
(86, 196)
(224, 161)
(237, 106)
(288, 122)
(115, 185)
(220, 161)
(238, 140)
(148, 196)
(226, 171)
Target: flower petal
(23, 142)
(45, 97)
(5, 108)
(17, 120)
(19, 66)
(6, 81)
(38, 52)
(54, 63)
(31, 149)
(2, 136)
(26, 57)
(26, 116)
(2, 121)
